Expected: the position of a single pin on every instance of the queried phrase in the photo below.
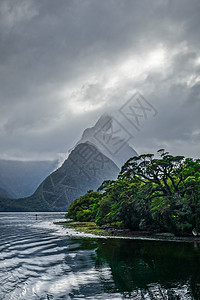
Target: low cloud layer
(65, 63)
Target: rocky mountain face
(111, 138)
(85, 168)
(21, 178)
(98, 156)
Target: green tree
(150, 193)
(85, 207)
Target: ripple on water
(38, 261)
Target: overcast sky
(65, 63)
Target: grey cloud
(48, 46)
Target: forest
(159, 193)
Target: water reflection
(146, 267)
(38, 261)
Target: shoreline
(91, 230)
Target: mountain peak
(111, 138)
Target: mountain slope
(98, 156)
(85, 168)
(111, 138)
(21, 178)
(4, 193)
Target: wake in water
(39, 261)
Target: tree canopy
(151, 193)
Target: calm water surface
(39, 260)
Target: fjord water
(40, 260)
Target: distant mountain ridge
(96, 157)
(85, 168)
(21, 178)
(4, 193)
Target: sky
(65, 63)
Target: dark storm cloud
(64, 63)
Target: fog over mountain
(63, 64)
(97, 157)
(110, 140)
(4, 193)
(85, 168)
(21, 178)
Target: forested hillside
(152, 194)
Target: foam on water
(42, 260)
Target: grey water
(41, 260)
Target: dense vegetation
(154, 194)
(85, 207)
